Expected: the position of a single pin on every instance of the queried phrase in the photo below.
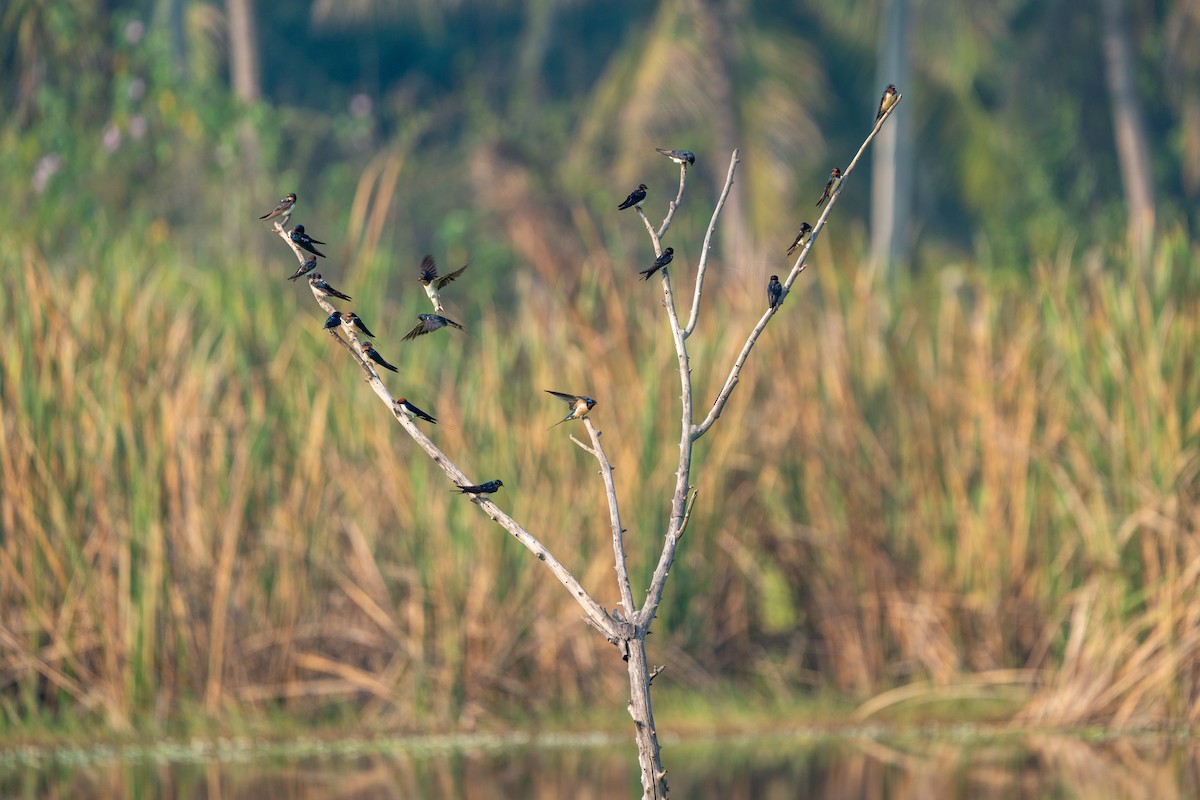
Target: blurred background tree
(1012, 142)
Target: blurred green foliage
(121, 118)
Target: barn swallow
(482, 488)
(835, 178)
(305, 268)
(413, 410)
(370, 352)
(333, 320)
(284, 208)
(635, 199)
(430, 323)
(432, 283)
(305, 241)
(352, 320)
(321, 287)
(805, 230)
(679, 156)
(659, 263)
(580, 405)
(774, 292)
(887, 101)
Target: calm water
(849, 768)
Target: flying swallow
(635, 199)
(412, 410)
(305, 241)
(580, 405)
(305, 268)
(321, 287)
(432, 283)
(284, 208)
(333, 320)
(351, 321)
(482, 488)
(679, 156)
(835, 178)
(370, 352)
(887, 101)
(774, 292)
(805, 230)
(430, 323)
(659, 263)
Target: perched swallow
(413, 410)
(805, 230)
(835, 178)
(679, 156)
(321, 286)
(432, 283)
(333, 320)
(351, 321)
(284, 209)
(887, 101)
(370, 352)
(305, 241)
(430, 323)
(305, 268)
(774, 292)
(635, 199)
(482, 488)
(659, 263)
(580, 405)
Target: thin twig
(657, 242)
(703, 266)
(666, 223)
(687, 515)
(731, 382)
(799, 265)
(614, 518)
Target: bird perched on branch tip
(580, 405)
(635, 199)
(680, 157)
(284, 209)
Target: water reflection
(1030, 766)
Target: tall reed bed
(961, 481)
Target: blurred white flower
(360, 105)
(112, 137)
(46, 168)
(135, 29)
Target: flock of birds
(578, 404)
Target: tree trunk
(891, 173)
(1129, 128)
(654, 777)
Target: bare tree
(626, 627)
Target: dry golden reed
(201, 507)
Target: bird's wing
(447, 278)
(428, 269)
